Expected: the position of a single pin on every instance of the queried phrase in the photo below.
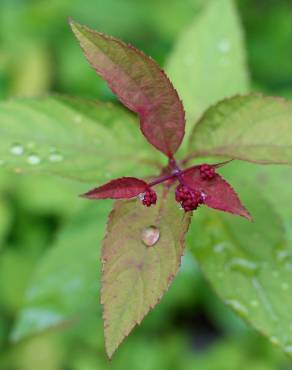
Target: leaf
(217, 192)
(65, 282)
(74, 138)
(125, 187)
(252, 128)
(139, 84)
(208, 61)
(248, 265)
(136, 273)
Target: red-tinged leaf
(218, 193)
(141, 254)
(123, 188)
(140, 85)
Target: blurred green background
(190, 329)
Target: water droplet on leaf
(254, 303)
(274, 340)
(16, 149)
(224, 46)
(55, 157)
(33, 159)
(237, 306)
(244, 266)
(150, 236)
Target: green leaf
(73, 138)
(252, 128)
(208, 61)
(248, 265)
(136, 270)
(66, 280)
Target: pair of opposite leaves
(143, 87)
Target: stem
(161, 179)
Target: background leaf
(139, 83)
(66, 281)
(248, 265)
(141, 254)
(73, 138)
(253, 128)
(208, 61)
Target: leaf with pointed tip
(139, 84)
(253, 128)
(248, 264)
(141, 254)
(217, 192)
(123, 188)
(208, 61)
(73, 138)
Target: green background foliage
(50, 317)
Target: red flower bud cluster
(207, 172)
(149, 197)
(188, 198)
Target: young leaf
(125, 187)
(208, 61)
(139, 84)
(74, 138)
(141, 254)
(248, 265)
(217, 193)
(252, 128)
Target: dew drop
(221, 247)
(274, 340)
(237, 306)
(285, 286)
(284, 255)
(78, 119)
(244, 266)
(254, 303)
(189, 60)
(150, 236)
(16, 149)
(224, 46)
(33, 159)
(56, 157)
(2, 162)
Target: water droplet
(221, 247)
(33, 159)
(56, 157)
(284, 255)
(254, 303)
(16, 149)
(2, 162)
(274, 340)
(243, 265)
(78, 119)
(150, 236)
(237, 306)
(285, 286)
(224, 46)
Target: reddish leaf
(125, 187)
(218, 193)
(140, 85)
